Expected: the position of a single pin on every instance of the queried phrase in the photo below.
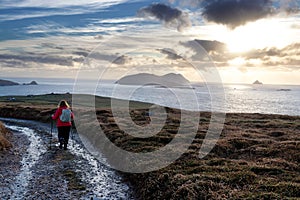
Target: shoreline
(257, 155)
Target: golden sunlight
(258, 35)
(271, 32)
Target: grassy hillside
(4, 133)
(257, 156)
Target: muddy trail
(33, 170)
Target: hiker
(63, 115)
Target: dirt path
(32, 171)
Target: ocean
(238, 98)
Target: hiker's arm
(55, 116)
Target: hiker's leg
(60, 132)
(66, 135)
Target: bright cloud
(58, 4)
(53, 36)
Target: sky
(244, 40)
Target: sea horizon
(238, 98)
(46, 80)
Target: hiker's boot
(65, 146)
(61, 142)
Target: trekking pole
(72, 126)
(72, 133)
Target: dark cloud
(268, 53)
(234, 13)
(113, 58)
(211, 46)
(51, 45)
(283, 62)
(295, 47)
(171, 54)
(262, 53)
(81, 53)
(215, 49)
(121, 60)
(12, 64)
(44, 59)
(166, 14)
(79, 59)
(287, 56)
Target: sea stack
(31, 83)
(257, 82)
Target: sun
(258, 35)
(269, 32)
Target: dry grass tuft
(4, 133)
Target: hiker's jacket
(57, 115)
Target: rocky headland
(7, 83)
(12, 83)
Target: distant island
(31, 83)
(257, 82)
(167, 80)
(11, 83)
